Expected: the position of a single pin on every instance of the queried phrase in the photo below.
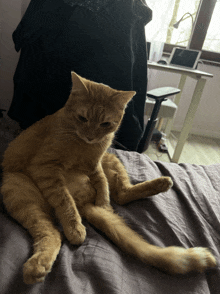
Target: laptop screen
(184, 57)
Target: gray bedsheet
(187, 215)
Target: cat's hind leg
(121, 190)
(173, 260)
(24, 202)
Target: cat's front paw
(76, 234)
(37, 267)
(164, 184)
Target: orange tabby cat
(60, 167)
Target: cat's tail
(173, 260)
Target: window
(212, 39)
(185, 12)
(199, 27)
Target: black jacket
(102, 40)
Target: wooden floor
(197, 150)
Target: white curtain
(162, 10)
(156, 32)
(161, 30)
(165, 14)
(212, 40)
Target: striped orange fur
(59, 168)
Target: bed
(187, 215)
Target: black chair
(160, 95)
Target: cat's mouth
(88, 139)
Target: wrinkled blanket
(187, 215)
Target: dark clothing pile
(101, 40)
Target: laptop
(186, 58)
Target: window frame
(199, 31)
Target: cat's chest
(82, 165)
(85, 162)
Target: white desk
(200, 77)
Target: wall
(207, 118)
(10, 15)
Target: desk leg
(189, 119)
(169, 124)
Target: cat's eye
(105, 124)
(82, 118)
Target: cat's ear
(78, 83)
(124, 97)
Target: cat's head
(94, 109)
